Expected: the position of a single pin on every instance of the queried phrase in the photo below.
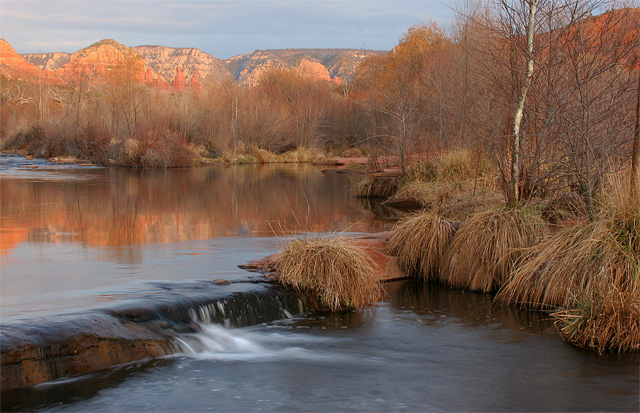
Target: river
(76, 240)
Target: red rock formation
(194, 82)
(96, 59)
(179, 81)
(148, 77)
(313, 70)
(14, 65)
(161, 83)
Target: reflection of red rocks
(203, 203)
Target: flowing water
(76, 241)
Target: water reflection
(71, 236)
(112, 207)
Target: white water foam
(216, 342)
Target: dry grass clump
(463, 164)
(419, 243)
(591, 275)
(564, 206)
(153, 150)
(352, 153)
(264, 156)
(422, 170)
(453, 166)
(484, 250)
(581, 260)
(376, 186)
(299, 155)
(339, 275)
(453, 200)
(609, 322)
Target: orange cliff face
(316, 71)
(93, 63)
(99, 58)
(15, 66)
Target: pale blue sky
(220, 28)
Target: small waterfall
(186, 320)
(215, 342)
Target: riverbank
(547, 255)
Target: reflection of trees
(123, 207)
(382, 217)
(432, 300)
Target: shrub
(352, 153)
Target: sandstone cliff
(166, 60)
(159, 65)
(338, 65)
(48, 61)
(14, 65)
(99, 57)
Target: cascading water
(158, 325)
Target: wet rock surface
(75, 344)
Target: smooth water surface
(73, 237)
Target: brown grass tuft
(453, 166)
(565, 206)
(376, 186)
(419, 243)
(263, 156)
(591, 275)
(609, 322)
(352, 153)
(484, 250)
(339, 275)
(581, 261)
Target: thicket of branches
(549, 88)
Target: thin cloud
(221, 28)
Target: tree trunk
(635, 156)
(513, 189)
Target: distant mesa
(181, 68)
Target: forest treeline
(551, 95)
